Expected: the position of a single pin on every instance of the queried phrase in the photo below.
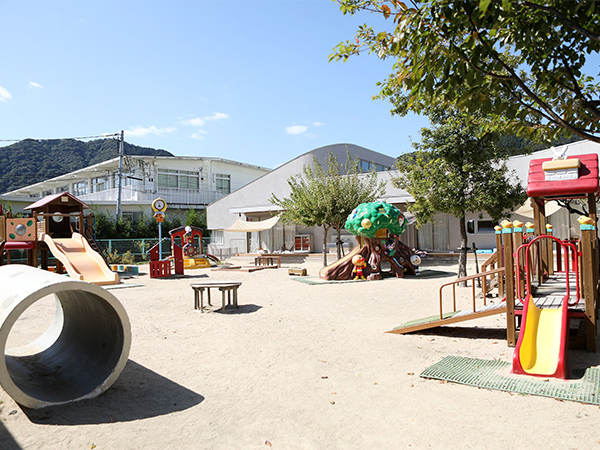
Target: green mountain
(31, 161)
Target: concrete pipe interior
(80, 354)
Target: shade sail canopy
(248, 227)
(527, 210)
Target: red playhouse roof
(50, 198)
(587, 183)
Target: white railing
(171, 196)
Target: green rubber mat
(584, 385)
(315, 280)
(425, 320)
(424, 274)
(122, 285)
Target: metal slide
(80, 260)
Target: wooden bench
(268, 261)
(226, 287)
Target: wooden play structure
(57, 224)
(546, 286)
(186, 253)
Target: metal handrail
(568, 248)
(460, 280)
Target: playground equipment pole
(539, 218)
(509, 267)
(160, 241)
(517, 241)
(588, 236)
(120, 183)
(500, 261)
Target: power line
(53, 139)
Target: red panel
(160, 269)
(18, 245)
(587, 183)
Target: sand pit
(298, 366)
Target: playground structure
(79, 356)
(57, 225)
(545, 283)
(376, 226)
(186, 252)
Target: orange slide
(342, 260)
(80, 260)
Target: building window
(216, 236)
(366, 166)
(189, 180)
(485, 226)
(178, 179)
(62, 189)
(79, 188)
(167, 178)
(99, 184)
(223, 183)
(125, 181)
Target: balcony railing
(171, 196)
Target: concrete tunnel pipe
(79, 356)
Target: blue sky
(244, 80)
(247, 80)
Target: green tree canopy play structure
(377, 226)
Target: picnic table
(227, 288)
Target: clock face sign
(159, 205)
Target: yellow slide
(540, 350)
(80, 260)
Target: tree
(458, 169)
(195, 218)
(326, 195)
(520, 62)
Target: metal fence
(140, 248)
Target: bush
(115, 258)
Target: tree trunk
(462, 259)
(338, 243)
(325, 232)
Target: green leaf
(483, 6)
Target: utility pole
(120, 183)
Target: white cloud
(296, 129)
(217, 116)
(317, 124)
(199, 135)
(196, 122)
(4, 94)
(200, 121)
(141, 131)
(33, 84)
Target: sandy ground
(298, 366)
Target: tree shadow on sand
(432, 273)
(139, 393)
